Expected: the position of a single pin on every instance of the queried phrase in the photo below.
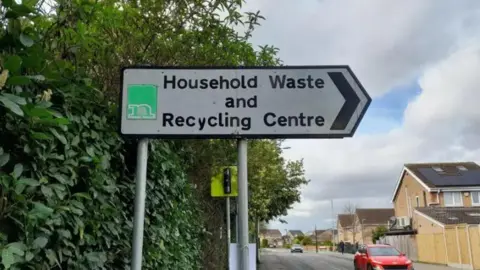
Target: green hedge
(67, 188)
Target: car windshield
(296, 245)
(383, 251)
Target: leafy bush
(66, 184)
(307, 241)
(264, 243)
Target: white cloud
(387, 44)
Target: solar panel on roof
(463, 178)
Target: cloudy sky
(419, 61)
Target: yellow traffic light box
(217, 187)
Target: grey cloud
(386, 42)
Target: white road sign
(258, 102)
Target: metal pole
(140, 195)
(229, 234)
(333, 224)
(316, 239)
(242, 204)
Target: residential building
(292, 234)
(436, 185)
(273, 236)
(371, 218)
(347, 228)
(358, 227)
(322, 235)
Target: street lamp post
(363, 238)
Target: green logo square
(142, 102)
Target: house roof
(451, 215)
(295, 232)
(374, 216)
(271, 232)
(346, 220)
(322, 235)
(442, 175)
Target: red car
(381, 257)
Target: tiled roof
(271, 233)
(452, 215)
(346, 220)
(295, 232)
(374, 215)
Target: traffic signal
(227, 181)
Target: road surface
(282, 259)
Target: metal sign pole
(242, 204)
(140, 195)
(229, 233)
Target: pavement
(282, 259)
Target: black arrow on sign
(351, 101)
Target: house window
(453, 198)
(475, 198)
(417, 201)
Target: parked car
(296, 248)
(381, 257)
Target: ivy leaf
(47, 191)
(82, 195)
(40, 242)
(17, 248)
(17, 170)
(28, 182)
(76, 140)
(19, 80)
(52, 257)
(60, 137)
(26, 40)
(13, 63)
(19, 189)
(29, 256)
(37, 77)
(7, 258)
(11, 106)
(61, 178)
(90, 151)
(40, 210)
(4, 158)
(16, 99)
(40, 136)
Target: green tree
(67, 186)
(306, 241)
(378, 233)
(273, 181)
(264, 243)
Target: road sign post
(289, 102)
(224, 184)
(243, 204)
(140, 194)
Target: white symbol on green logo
(142, 102)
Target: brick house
(358, 227)
(437, 205)
(292, 234)
(322, 235)
(435, 185)
(273, 236)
